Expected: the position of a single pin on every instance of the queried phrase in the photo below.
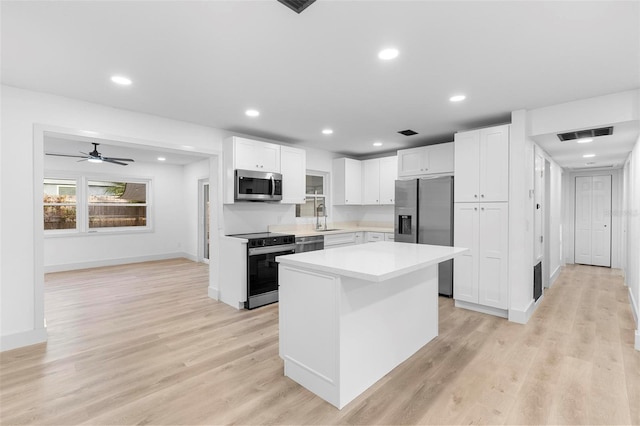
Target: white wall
(192, 174)
(631, 215)
(25, 115)
(555, 227)
(167, 213)
(521, 153)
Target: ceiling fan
(95, 157)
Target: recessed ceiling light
(387, 54)
(252, 112)
(457, 98)
(122, 80)
(161, 159)
(327, 131)
(585, 140)
(588, 155)
(377, 144)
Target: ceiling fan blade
(117, 159)
(65, 155)
(111, 160)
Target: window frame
(66, 231)
(82, 204)
(325, 193)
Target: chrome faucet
(317, 208)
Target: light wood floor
(142, 344)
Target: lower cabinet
(340, 240)
(481, 275)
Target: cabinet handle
(475, 208)
(475, 195)
(482, 195)
(482, 208)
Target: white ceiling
(206, 62)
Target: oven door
(262, 274)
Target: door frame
(201, 219)
(568, 222)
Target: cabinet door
(411, 162)
(465, 273)
(255, 155)
(294, 168)
(494, 164)
(388, 176)
(389, 236)
(353, 182)
(467, 166)
(371, 181)
(440, 158)
(493, 255)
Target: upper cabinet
(426, 160)
(482, 165)
(293, 163)
(347, 181)
(248, 154)
(378, 180)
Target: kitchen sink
(327, 230)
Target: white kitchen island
(350, 315)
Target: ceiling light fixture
(121, 80)
(94, 160)
(377, 144)
(387, 54)
(457, 98)
(252, 112)
(588, 155)
(161, 159)
(327, 131)
(585, 140)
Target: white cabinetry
(293, 162)
(426, 160)
(373, 237)
(347, 181)
(378, 180)
(482, 165)
(481, 275)
(388, 236)
(255, 155)
(340, 240)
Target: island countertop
(373, 261)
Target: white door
(467, 167)
(465, 267)
(494, 164)
(538, 182)
(371, 181)
(593, 220)
(493, 256)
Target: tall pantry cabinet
(481, 220)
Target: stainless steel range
(262, 269)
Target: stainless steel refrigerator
(424, 215)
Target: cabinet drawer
(339, 239)
(375, 236)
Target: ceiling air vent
(297, 5)
(590, 133)
(408, 132)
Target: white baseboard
(555, 275)
(120, 261)
(213, 293)
(503, 313)
(523, 316)
(26, 338)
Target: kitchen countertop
(306, 231)
(372, 262)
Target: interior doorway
(593, 220)
(203, 220)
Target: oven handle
(273, 186)
(272, 249)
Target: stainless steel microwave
(258, 186)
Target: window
(60, 204)
(316, 196)
(87, 205)
(117, 204)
